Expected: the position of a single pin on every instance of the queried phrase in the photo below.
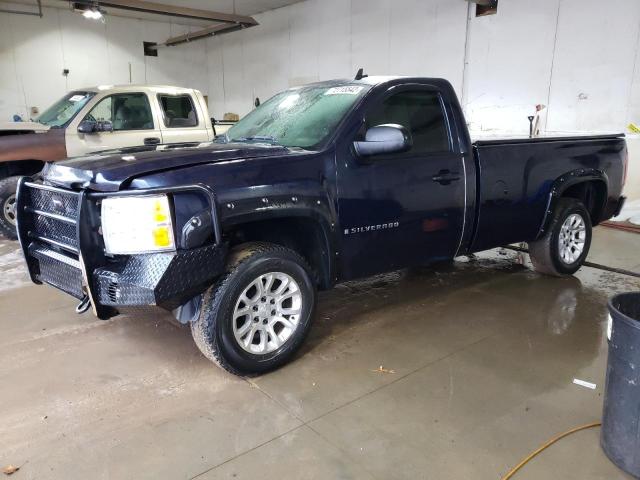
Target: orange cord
(526, 460)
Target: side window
(127, 111)
(178, 111)
(101, 112)
(418, 111)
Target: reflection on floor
(484, 352)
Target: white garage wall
(594, 65)
(34, 51)
(575, 56)
(322, 39)
(509, 65)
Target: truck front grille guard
(52, 222)
(58, 229)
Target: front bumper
(164, 279)
(58, 230)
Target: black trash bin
(620, 437)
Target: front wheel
(8, 188)
(258, 313)
(565, 246)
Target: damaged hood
(112, 170)
(20, 127)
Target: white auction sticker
(346, 90)
(76, 98)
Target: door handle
(445, 177)
(151, 141)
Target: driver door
(406, 208)
(132, 120)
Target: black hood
(109, 171)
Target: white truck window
(178, 111)
(126, 111)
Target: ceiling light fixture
(93, 13)
(89, 10)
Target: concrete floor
(483, 355)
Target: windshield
(63, 111)
(301, 117)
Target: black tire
(213, 330)
(8, 188)
(545, 252)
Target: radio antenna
(360, 75)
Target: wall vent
(150, 49)
(486, 7)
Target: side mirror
(91, 126)
(87, 126)
(388, 138)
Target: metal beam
(23, 12)
(203, 33)
(173, 11)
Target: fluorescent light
(92, 14)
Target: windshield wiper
(257, 138)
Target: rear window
(178, 111)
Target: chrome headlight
(137, 224)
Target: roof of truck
(374, 81)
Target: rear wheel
(257, 315)
(565, 246)
(8, 188)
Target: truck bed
(514, 186)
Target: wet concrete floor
(478, 361)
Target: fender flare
(317, 209)
(562, 183)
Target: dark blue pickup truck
(320, 184)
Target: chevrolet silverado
(320, 184)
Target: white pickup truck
(90, 120)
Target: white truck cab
(125, 116)
(89, 120)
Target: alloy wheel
(571, 240)
(267, 313)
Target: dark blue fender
(571, 179)
(296, 185)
